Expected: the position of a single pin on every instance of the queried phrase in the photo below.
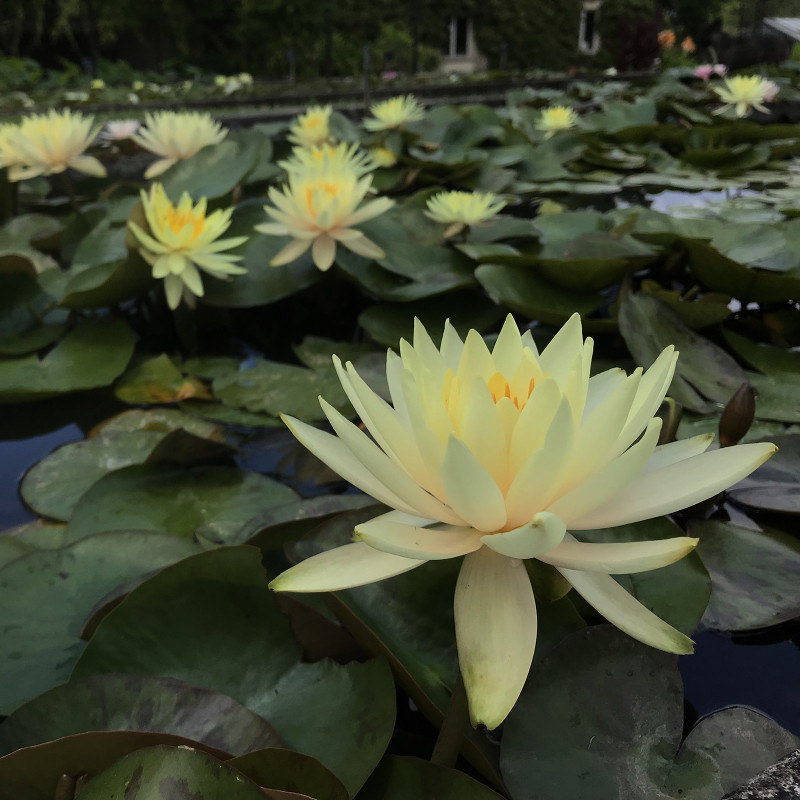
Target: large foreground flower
(319, 209)
(494, 456)
(46, 144)
(555, 119)
(462, 209)
(744, 93)
(175, 136)
(181, 240)
(394, 113)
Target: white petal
(323, 251)
(495, 631)
(411, 541)
(680, 485)
(341, 568)
(558, 356)
(376, 463)
(364, 247)
(544, 532)
(618, 557)
(600, 386)
(626, 612)
(534, 423)
(609, 481)
(666, 454)
(483, 432)
(470, 490)
(293, 250)
(507, 350)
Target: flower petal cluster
(744, 93)
(555, 119)
(176, 135)
(394, 113)
(495, 455)
(666, 39)
(312, 128)
(688, 45)
(46, 144)
(705, 71)
(182, 239)
(321, 206)
(327, 158)
(460, 209)
(119, 130)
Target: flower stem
(454, 726)
(73, 200)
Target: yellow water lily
(327, 158)
(460, 209)
(383, 156)
(744, 93)
(494, 455)
(10, 157)
(319, 209)
(47, 144)
(312, 128)
(394, 113)
(176, 135)
(181, 239)
(555, 119)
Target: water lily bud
(738, 416)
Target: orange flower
(666, 40)
(687, 45)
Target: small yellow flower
(558, 118)
(744, 93)
(462, 209)
(245, 78)
(383, 156)
(220, 80)
(51, 143)
(327, 158)
(182, 239)
(137, 86)
(98, 83)
(312, 128)
(175, 136)
(394, 113)
(319, 209)
(493, 456)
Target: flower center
(500, 388)
(177, 220)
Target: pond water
(724, 671)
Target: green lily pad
(40, 230)
(754, 574)
(159, 770)
(139, 703)
(47, 595)
(26, 322)
(777, 396)
(158, 380)
(217, 602)
(289, 771)
(764, 357)
(403, 777)
(213, 502)
(274, 388)
(622, 729)
(12, 548)
(227, 415)
(91, 355)
(387, 323)
(160, 420)
(709, 309)
(35, 773)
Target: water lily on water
(555, 119)
(312, 128)
(394, 113)
(47, 144)
(327, 158)
(494, 456)
(462, 209)
(176, 136)
(705, 71)
(319, 209)
(119, 130)
(744, 93)
(182, 240)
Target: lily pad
(91, 355)
(138, 703)
(754, 574)
(179, 622)
(47, 595)
(158, 380)
(213, 502)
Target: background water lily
(394, 113)
(744, 93)
(312, 128)
(182, 240)
(555, 119)
(495, 455)
(462, 209)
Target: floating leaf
(158, 380)
(138, 703)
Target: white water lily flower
(494, 456)
(558, 118)
(462, 209)
(182, 240)
(744, 93)
(175, 136)
(320, 209)
(119, 130)
(394, 113)
(48, 144)
(312, 128)
(327, 158)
